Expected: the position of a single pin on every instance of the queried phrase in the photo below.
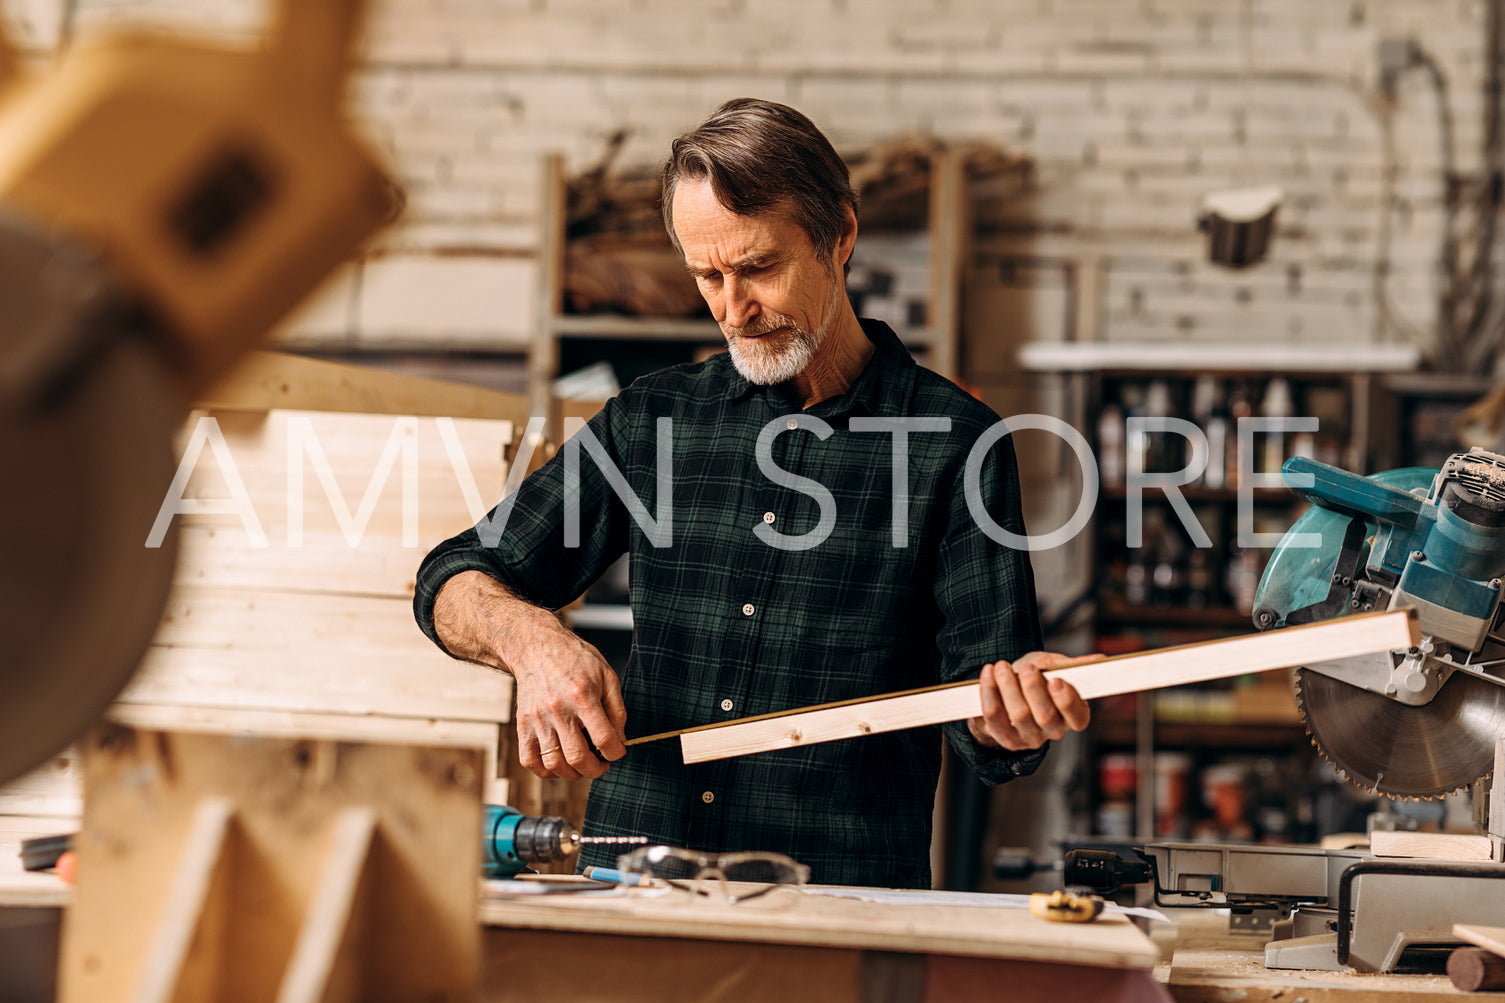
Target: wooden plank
(219, 555)
(1491, 938)
(261, 620)
(193, 914)
(325, 965)
(426, 685)
(52, 790)
(309, 652)
(262, 381)
(489, 737)
(460, 474)
(1350, 635)
(455, 472)
(1435, 845)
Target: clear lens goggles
(758, 868)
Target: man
(796, 556)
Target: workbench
(668, 946)
(1211, 965)
(787, 946)
(649, 945)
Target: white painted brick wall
(484, 304)
(1131, 112)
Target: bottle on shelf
(1201, 579)
(1110, 446)
(1116, 786)
(1161, 449)
(1137, 577)
(1136, 444)
(1208, 412)
(1168, 575)
(1238, 407)
(1172, 773)
(1243, 577)
(1276, 404)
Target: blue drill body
(510, 840)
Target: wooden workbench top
(789, 916)
(1212, 966)
(780, 917)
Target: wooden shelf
(1178, 357)
(1233, 734)
(1193, 493)
(620, 326)
(1180, 616)
(690, 330)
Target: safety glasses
(736, 877)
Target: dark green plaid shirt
(727, 625)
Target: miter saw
(1411, 724)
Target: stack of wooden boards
(291, 612)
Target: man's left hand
(1023, 709)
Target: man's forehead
(703, 226)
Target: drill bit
(628, 840)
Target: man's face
(774, 298)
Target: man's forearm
(566, 692)
(479, 619)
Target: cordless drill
(510, 840)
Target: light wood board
(265, 380)
(1434, 845)
(1491, 938)
(457, 465)
(1345, 636)
(52, 790)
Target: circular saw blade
(1390, 748)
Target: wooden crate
(291, 609)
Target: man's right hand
(566, 692)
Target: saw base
(1348, 909)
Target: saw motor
(1415, 723)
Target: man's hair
(761, 156)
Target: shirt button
(792, 424)
(768, 517)
(707, 797)
(748, 609)
(726, 705)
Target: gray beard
(775, 364)
(767, 365)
